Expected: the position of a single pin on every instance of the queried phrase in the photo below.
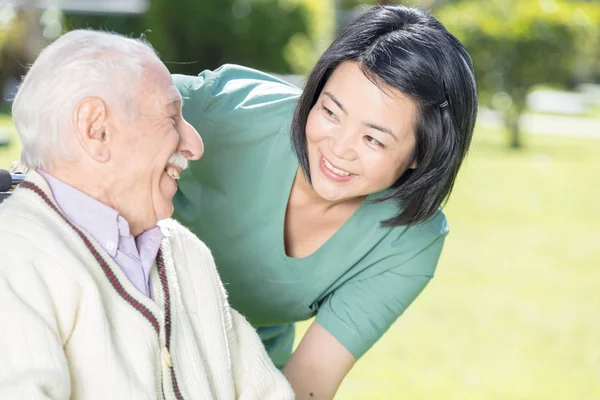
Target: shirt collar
(103, 223)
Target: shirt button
(167, 357)
(110, 245)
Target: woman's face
(360, 139)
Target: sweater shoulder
(35, 238)
(178, 233)
(28, 228)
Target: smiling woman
(358, 135)
(326, 202)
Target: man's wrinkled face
(153, 148)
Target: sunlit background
(514, 309)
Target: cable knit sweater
(72, 326)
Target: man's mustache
(179, 160)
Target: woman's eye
(372, 141)
(328, 112)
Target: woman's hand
(318, 366)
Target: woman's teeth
(334, 169)
(172, 172)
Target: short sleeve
(196, 91)
(234, 95)
(360, 312)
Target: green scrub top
(235, 197)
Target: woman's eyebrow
(336, 101)
(380, 128)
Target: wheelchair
(10, 178)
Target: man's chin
(167, 188)
(166, 210)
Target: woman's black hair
(409, 50)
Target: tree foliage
(194, 35)
(424, 4)
(516, 45)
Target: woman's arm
(356, 315)
(318, 366)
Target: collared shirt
(134, 255)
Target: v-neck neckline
(338, 236)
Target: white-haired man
(98, 299)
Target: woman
(326, 202)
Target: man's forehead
(162, 99)
(158, 83)
(172, 97)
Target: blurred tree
(348, 10)
(24, 31)
(304, 49)
(13, 36)
(193, 35)
(424, 4)
(517, 44)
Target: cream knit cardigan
(72, 326)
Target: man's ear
(90, 124)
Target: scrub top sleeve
(360, 312)
(237, 97)
(196, 93)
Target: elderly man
(98, 299)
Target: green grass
(595, 112)
(514, 309)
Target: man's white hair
(79, 64)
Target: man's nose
(190, 142)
